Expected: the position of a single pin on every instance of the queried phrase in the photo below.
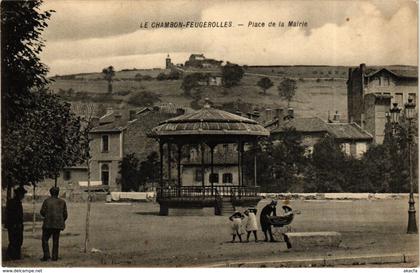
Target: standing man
(14, 224)
(54, 211)
(267, 211)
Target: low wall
(336, 196)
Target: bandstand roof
(209, 122)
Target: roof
(345, 131)
(400, 73)
(209, 121)
(303, 125)
(114, 127)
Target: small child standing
(236, 225)
(251, 223)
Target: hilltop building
(199, 61)
(388, 85)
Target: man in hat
(14, 223)
(54, 211)
(267, 211)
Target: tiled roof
(348, 131)
(401, 73)
(304, 125)
(113, 127)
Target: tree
(327, 165)
(280, 162)
(129, 170)
(40, 134)
(287, 90)
(190, 82)
(232, 74)
(109, 74)
(265, 83)
(161, 77)
(150, 168)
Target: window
(214, 178)
(227, 178)
(105, 143)
(198, 175)
(67, 175)
(105, 174)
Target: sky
(86, 36)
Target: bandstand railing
(196, 192)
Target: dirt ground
(133, 235)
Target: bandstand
(206, 128)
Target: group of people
(54, 213)
(248, 221)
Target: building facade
(396, 82)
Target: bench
(313, 240)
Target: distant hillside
(321, 89)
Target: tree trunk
(87, 211)
(9, 192)
(33, 209)
(109, 87)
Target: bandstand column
(211, 164)
(202, 168)
(161, 163)
(179, 146)
(255, 163)
(239, 163)
(169, 144)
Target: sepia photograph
(209, 134)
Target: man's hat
(20, 190)
(286, 208)
(273, 203)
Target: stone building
(396, 82)
(352, 138)
(199, 61)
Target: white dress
(251, 223)
(236, 226)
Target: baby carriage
(281, 225)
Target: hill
(321, 89)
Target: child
(236, 225)
(251, 223)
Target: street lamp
(409, 112)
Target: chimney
(290, 113)
(362, 68)
(362, 121)
(256, 114)
(336, 118)
(268, 114)
(132, 115)
(109, 111)
(239, 113)
(249, 115)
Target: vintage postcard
(212, 134)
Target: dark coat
(267, 211)
(14, 214)
(54, 211)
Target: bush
(161, 77)
(144, 98)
